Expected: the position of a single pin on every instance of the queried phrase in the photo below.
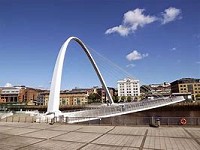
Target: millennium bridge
(112, 109)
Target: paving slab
(106, 147)
(129, 130)
(3, 136)
(195, 132)
(17, 142)
(168, 132)
(96, 129)
(42, 136)
(14, 124)
(171, 143)
(41, 126)
(54, 145)
(46, 134)
(120, 140)
(4, 128)
(66, 127)
(78, 137)
(18, 131)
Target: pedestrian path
(35, 136)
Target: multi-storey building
(67, 98)
(186, 86)
(128, 87)
(163, 89)
(18, 94)
(101, 92)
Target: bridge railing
(120, 109)
(116, 121)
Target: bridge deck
(119, 109)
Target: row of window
(9, 92)
(129, 95)
(185, 88)
(190, 84)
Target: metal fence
(116, 121)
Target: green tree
(123, 98)
(93, 97)
(198, 97)
(129, 99)
(63, 102)
(115, 99)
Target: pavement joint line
(76, 130)
(198, 142)
(6, 137)
(124, 134)
(32, 127)
(63, 133)
(31, 144)
(143, 140)
(111, 145)
(170, 137)
(66, 141)
(96, 138)
(153, 149)
(30, 132)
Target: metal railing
(101, 112)
(120, 109)
(115, 121)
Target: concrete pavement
(35, 136)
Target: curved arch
(54, 96)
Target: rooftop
(186, 80)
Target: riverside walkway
(36, 136)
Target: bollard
(158, 122)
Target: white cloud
(130, 65)
(135, 55)
(136, 18)
(173, 49)
(131, 21)
(8, 85)
(122, 30)
(171, 14)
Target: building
(128, 87)
(186, 86)
(101, 92)
(18, 94)
(163, 89)
(67, 98)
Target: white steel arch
(54, 96)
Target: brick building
(186, 86)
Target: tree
(123, 98)
(93, 97)
(129, 99)
(198, 97)
(115, 99)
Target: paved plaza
(35, 136)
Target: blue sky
(155, 41)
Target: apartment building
(128, 87)
(101, 92)
(18, 94)
(67, 98)
(186, 86)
